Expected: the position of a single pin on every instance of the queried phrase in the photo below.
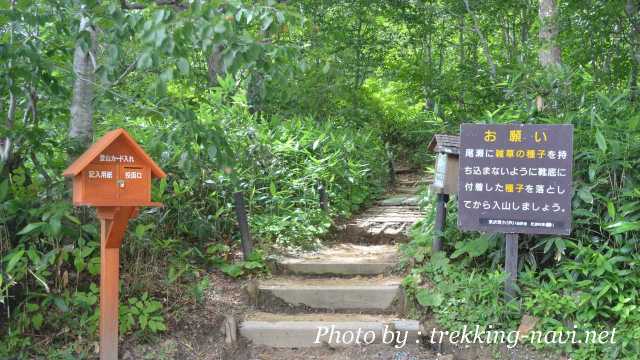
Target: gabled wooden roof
(99, 146)
(445, 143)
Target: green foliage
(254, 263)
(458, 298)
(140, 314)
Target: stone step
(406, 189)
(381, 294)
(381, 225)
(399, 201)
(341, 259)
(403, 170)
(333, 330)
(413, 182)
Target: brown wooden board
(515, 178)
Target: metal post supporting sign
(511, 264)
(445, 181)
(515, 179)
(441, 219)
(114, 175)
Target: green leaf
(30, 228)
(611, 209)
(183, 66)
(61, 304)
(152, 307)
(143, 321)
(220, 28)
(94, 265)
(325, 68)
(602, 143)
(37, 320)
(266, 22)
(79, 263)
(233, 270)
(429, 298)
(159, 16)
(585, 195)
(252, 265)
(73, 219)
(4, 189)
(213, 152)
(157, 325)
(55, 225)
(228, 59)
(145, 61)
(623, 227)
(13, 260)
(167, 75)
(140, 230)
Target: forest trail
(344, 301)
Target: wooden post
(324, 198)
(243, 224)
(511, 265)
(441, 217)
(116, 185)
(109, 288)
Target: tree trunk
(631, 9)
(549, 53)
(524, 34)
(428, 77)
(461, 41)
(256, 91)
(6, 143)
(215, 66)
(84, 66)
(462, 64)
(483, 42)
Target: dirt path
(351, 284)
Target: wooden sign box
(114, 171)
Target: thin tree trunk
(483, 42)
(441, 46)
(631, 9)
(549, 54)
(215, 66)
(461, 41)
(256, 90)
(428, 77)
(524, 35)
(84, 65)
(6, 143)
(462, 63)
